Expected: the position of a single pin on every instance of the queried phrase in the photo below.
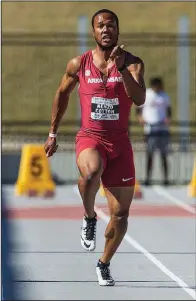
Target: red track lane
(76, 212)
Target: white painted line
(151, 257)
(162, 192)
(145, 252)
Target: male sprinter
(110, 81)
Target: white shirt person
(155, 116)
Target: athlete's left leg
(119, 201)
(118, 180)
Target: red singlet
(105, 109)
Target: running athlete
(110, 81)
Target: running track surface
(156, 260)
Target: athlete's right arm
(60, 102)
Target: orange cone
(137, 191)
(192, 184)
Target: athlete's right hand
(50, 146)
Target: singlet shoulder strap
(86, 56)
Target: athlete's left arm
(133, 79)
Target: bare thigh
(90, 163)
(119, 200)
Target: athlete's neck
(104, 54)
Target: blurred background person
(155, 116)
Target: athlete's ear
(93, 31)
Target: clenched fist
(50, 146)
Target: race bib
(104, 108)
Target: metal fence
(64, 169)
(63, 163)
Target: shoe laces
(105, 272)
(90, 229)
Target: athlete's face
(105, 31)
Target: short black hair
(156, 81)
(104, 10)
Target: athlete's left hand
(118, 55)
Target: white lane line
(145, 252)
(162, 192)
(151, 257)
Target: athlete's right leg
(90, 165)
(90, 156)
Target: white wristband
(52, 135)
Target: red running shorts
(118, 159)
